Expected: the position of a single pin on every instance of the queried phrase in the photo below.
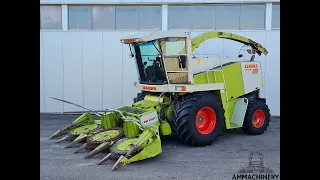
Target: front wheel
(257, 118)
(198, 119)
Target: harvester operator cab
(161, 58)
(165, 61)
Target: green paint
(126, 145)
(165, 128)
(153, 149)
(229, 108)
(150, 104)
(84, 129)
(130, 129)
(105, 135)
(148, 142)
(229, 112)
(83, 135)
(169, 112)
(222, 95)
(97, 122)
(110, 120)
(233, 79)
(140, 108)
(84, 118)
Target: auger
(182, 94)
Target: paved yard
(177, 161)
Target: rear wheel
(198, 119)
(257, 118)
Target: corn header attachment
(128, 134)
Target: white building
(83, 61)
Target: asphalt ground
(220, 161)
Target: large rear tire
(198, 119)
(257, 118)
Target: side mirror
(252, 58)
(240, 56)
(131, 55)
(182, 61)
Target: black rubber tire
(248, 126)
(140, 97)
(184, 118)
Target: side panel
(233, 79)
(227, 106)
(233, 119)
(232, 74)
(239, 112)
(252, 78)
(149, 119)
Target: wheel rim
(258, 118)
(206, 120)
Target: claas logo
(251, 66)
(150, 88)
(148, 120)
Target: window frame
(61, 23)
(275, 28)
(216, 6)
(264, 14)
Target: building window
(198, 21)
(150, 17)
(103, 17)
(225, 17)
(252, 17)
(80, 17)
(191, 17)
(127, 17)
(228, 17)
(50, 17)
(179, 17)
(138, 17)
(275, 16)
(115, 17)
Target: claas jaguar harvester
(194, 98)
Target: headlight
(180, 88)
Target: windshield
(149, 63)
